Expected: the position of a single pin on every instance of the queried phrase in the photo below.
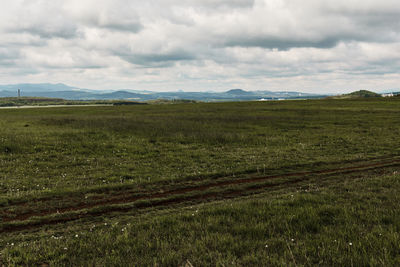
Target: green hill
(364, 93)
(358, 94)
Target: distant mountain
(6, 93)
(73, 93)
(120, 95)
(239, 92)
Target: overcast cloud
(311, 45)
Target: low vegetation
(246, 183)
(46, 101)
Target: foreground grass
(347, 222)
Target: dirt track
(175, 196)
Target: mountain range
(72, 93)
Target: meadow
(301, 182)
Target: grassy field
(246, 183)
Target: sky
(330, 46)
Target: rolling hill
(74, 93)
(357, 94)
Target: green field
(302, 182)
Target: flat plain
(302, 182)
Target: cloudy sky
(198, 45)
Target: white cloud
(307, 45)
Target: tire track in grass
(120, 190)
(120, 199)
(141, 206)
(177, 196)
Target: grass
(48, 101)
(344, 223)
(121, 163)
(73, 148)
(44, 101)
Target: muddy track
(159, 203)
(124, 198)
(128, 190)
(175, 196)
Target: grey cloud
(39, 18)
(8, 57)
(129, 27)
(310, 26)
(72, 66)
(224, 4)
(159, 60)
(281, 43)
(204, 4)
(373, 70)
(17, 40)
(117, 15)
(114, 24)
(8, 53)
(46, 32)
(5, 62)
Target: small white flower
(350, 244)
(76, 235)
(65, 248)
(266, 246)
(292, 240)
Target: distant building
(388, 95)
